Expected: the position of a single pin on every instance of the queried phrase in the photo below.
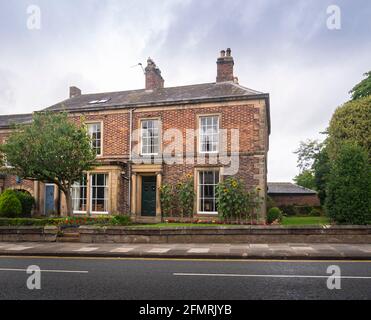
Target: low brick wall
(29, 234)
(220, 234)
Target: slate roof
(143, 97)
(206, 92)
(6, 121)
(287, 188)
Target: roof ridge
(143, 89)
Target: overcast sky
(282, 47)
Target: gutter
(130, 157)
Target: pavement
(294, 251)
(198, 280)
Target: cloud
(280, 47)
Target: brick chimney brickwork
(154, 79)
(225, 65)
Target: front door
(49, 199)
(149, 196)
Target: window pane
(209, 134)
(150, 137)
(99, 191)
(95, 136)
(206, 190)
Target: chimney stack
(75, 92)
(225, 65)
(154, 79)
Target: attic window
(100, 101)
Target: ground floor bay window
(91, 194)
(206, 191)
(99, 193)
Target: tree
(306, 179)
(362, 89)
(52, 149)
(349, 186)
(321, 168)
(351, 122)
(307, 153)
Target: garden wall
(219, 234)
(32, 234)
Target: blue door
(49, 200)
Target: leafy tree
(351, 122)
(321, 169)
(349, 186)
(52, 149)
(307, 152)
(362, 89)
(306, 179)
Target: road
(98, 278)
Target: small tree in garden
(186, 196)
(51, 149)
(349, 186)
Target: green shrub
(10, 206)
(349, 186)
(121, 220)
(274, 214)
(289, 210)
(30, 221)
(315, 212)
(27, 202)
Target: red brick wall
(247, 118)
(301, 200)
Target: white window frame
(142, 121)
(201, 134)
(107, 193)
(199, 185)
(76, 185)
(100, 124)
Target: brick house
(290, 194)
(147, 137)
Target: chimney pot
(222, 53)
(75, 92)
(229, 51)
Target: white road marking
(55, 271)
(159, 250)
(199, 250)
(122, 249)
(302, 248)
(18, 248)
(263, 275)
(86, 249)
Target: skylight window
(100, 101)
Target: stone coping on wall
(227, 234)
(204, 234)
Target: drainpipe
(130, 157)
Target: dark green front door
(149, 196)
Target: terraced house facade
(144, 138)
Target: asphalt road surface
(94, 278)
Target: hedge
(67, 221)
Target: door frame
(138, 171)
(45, 195)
